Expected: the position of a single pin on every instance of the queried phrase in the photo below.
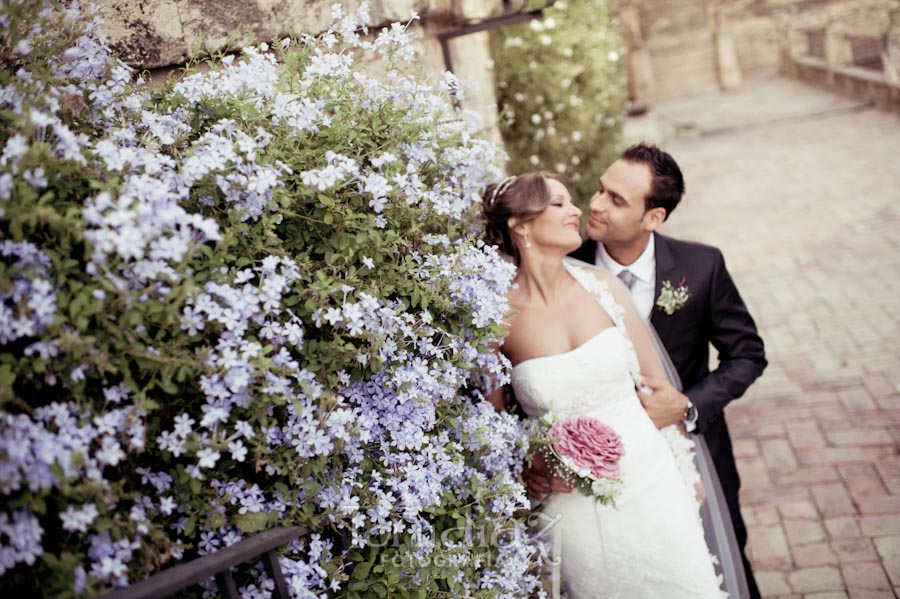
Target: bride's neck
(542, 279)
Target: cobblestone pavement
(801, 190)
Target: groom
(685, 291)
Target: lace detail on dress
(608, 302)
(682, 447)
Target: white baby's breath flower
(534, 160)
(567, 52)
(545, 40)
(576, 136)
(536, 119)
(613, 56)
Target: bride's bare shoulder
(601, 274)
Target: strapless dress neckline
(575, 349)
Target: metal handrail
(510, 17)
(218, 564)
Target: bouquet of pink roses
(585, 453)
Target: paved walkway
(801, 190)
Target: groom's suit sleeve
(731, 330)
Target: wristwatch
(691, 415)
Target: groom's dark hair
(667, 186)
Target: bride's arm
(497, 397)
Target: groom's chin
(595, 231)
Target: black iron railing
(218, 565)
(510, 16)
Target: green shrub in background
(246, 298)
(561, 92)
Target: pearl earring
(527, 243)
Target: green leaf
(251, 522)
(189, 526)
(101, 524)
(361, 571)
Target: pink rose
(590, 444)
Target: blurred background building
(691, 47)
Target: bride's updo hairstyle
(524, 197)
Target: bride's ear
(654, 218)
(515, 225)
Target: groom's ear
(654, 218)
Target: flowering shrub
(561, 92)
(247, 298)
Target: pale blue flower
(79, 519)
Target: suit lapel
(665, 270)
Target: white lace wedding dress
(651, 544)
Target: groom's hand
(540, 482)
(665, 404)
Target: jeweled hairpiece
(501, 189)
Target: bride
(578, 348)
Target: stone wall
(161, 34)
(688, 47)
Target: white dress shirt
(644, 269)
(642, 293)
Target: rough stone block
(832, 500)
(861, 480)
(880, 504)
(799, 510)
(807, 475)
(859, 436)
(145, 34)
(889, 550)
(778, 455)
(769, 548)
(802, 532)
(814, 554)
(771, 583)
(811, 580)
(843, 527)
(806, 436)
(879, 526)
(851, 551)
(868, 575)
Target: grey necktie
(628, 278)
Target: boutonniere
(673, 298)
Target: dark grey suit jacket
(714, 313)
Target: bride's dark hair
(524, 197)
